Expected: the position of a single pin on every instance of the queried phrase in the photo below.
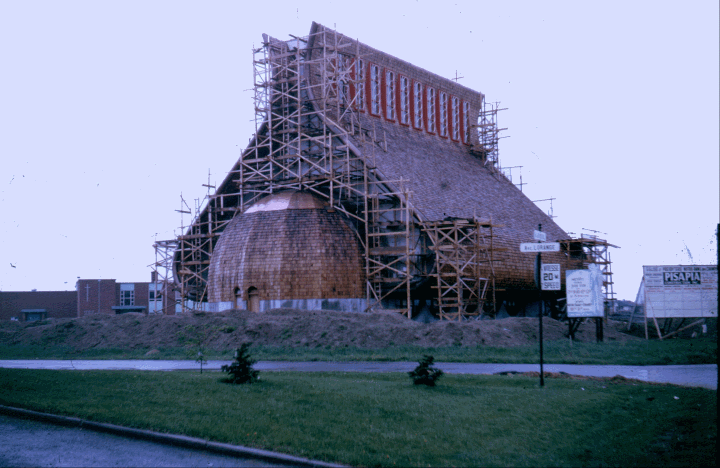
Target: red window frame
(465, 121)
(444, 132)
(393, 107)
(358, 99)
(413, 99)
(427, 118)
(369, 89)
(408, 84)
(451, 123)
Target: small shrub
(424, 373)
(241, 370)
(201, 359)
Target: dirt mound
(287, 328)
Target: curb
(169, 439)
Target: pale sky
(110, 110)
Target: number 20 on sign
(550, 277)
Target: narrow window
(344, 85)
(360, 78)
(443, 114)
(431, 110)
(375, 89)
(404, 100)
(155, 298)
(455, 118)
(390, 95)
(418, 117)
(466, 121)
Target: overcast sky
(110, 110)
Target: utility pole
(538, 281)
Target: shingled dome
(285, 250)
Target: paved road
(698, 375)
(32, 443)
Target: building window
(360, 79)
(390, 95)
(443, 114)
(466, 121)
(154, 292)
(127, 294)
(343, 78)
(431, 110)
(455, 118)
(418, 117)
(375, 89)
(404, 100)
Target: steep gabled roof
(446, 178)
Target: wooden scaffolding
(308, 137)
(463, 271)
(487, 146)
(163, 281)
(590, 249)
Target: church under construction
(370, 184)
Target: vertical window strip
(418, 105)
(390, 95)
(431, 110)
(344, 85)
(404, 100)
(375, 89)
(443, 114)
(466, 121)
(360, 78)
(455, 118)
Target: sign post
(542, 308)
(547, 277)
(539, 248)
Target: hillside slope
(287, 328)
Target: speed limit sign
(550, 277)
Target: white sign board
(681, 291)
(539, 236)
(550, 277)
(584, 292)
(540, 247)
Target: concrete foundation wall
(343, 305)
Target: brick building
(107, 296)
(91, 296)
(29, 306)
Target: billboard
(584, 292)
(680, 291)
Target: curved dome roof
(287, 246)
(287, 200)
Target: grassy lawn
(383, 420)
(642, 352)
